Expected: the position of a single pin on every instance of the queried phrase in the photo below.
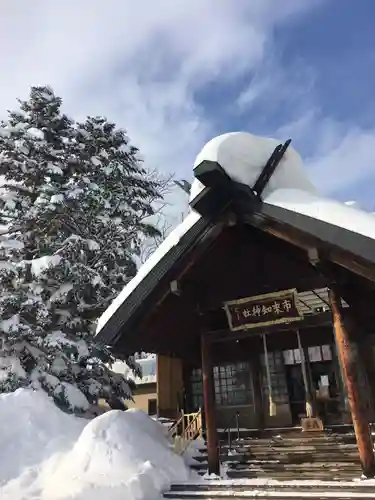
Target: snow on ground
(46, 454)
(193, 450)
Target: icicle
(272, 405)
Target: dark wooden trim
(350, 250)
(313, 321)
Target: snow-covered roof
(148, 369)
(243, 156)
(171, 241)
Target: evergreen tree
(76, 202)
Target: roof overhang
(332, 243)
(346, 248)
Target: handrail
(228, 429)
(191, 431)
(174, 429)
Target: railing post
(238, 425)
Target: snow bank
(32, 429)
(48, 455)
(243, 156)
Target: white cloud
(350, 162)
(339, 154)
(137, 62)
(141, 64)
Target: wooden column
(349, 358)
(209, 407)
(339, 372)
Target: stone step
(295, 450)
(269, 485)
(274, 495)
(241, 476)
(285, 458)
(287, 443)
(292, 442)
(306, 466)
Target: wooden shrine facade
(257, 310)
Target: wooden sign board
(263, 310)
(312, 424)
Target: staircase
(232, 490)
(323, 456)
(264, 464)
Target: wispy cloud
(139, 62)
(143, 63)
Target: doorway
(296, 391)
(323, 382)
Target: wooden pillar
(349, 359)
(341, 384)
(209, 407)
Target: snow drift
(49, 455)
(243, 157)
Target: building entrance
(322, 380)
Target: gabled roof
(226, 171)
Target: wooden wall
(170, 386)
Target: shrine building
(260, 304)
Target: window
(292, 357)
(152, 407)
(278, 379)
(316, 354)
(233, 385)
(196, 385)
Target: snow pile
(49, 455)
(243, 157)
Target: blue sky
(175, 73)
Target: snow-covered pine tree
(76, 205)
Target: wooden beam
(336, 256)
(347, 351)
(209, 407)
(312, 321)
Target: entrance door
(326, 391)
(296, 390)
(323, 383)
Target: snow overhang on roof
(289, 206)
